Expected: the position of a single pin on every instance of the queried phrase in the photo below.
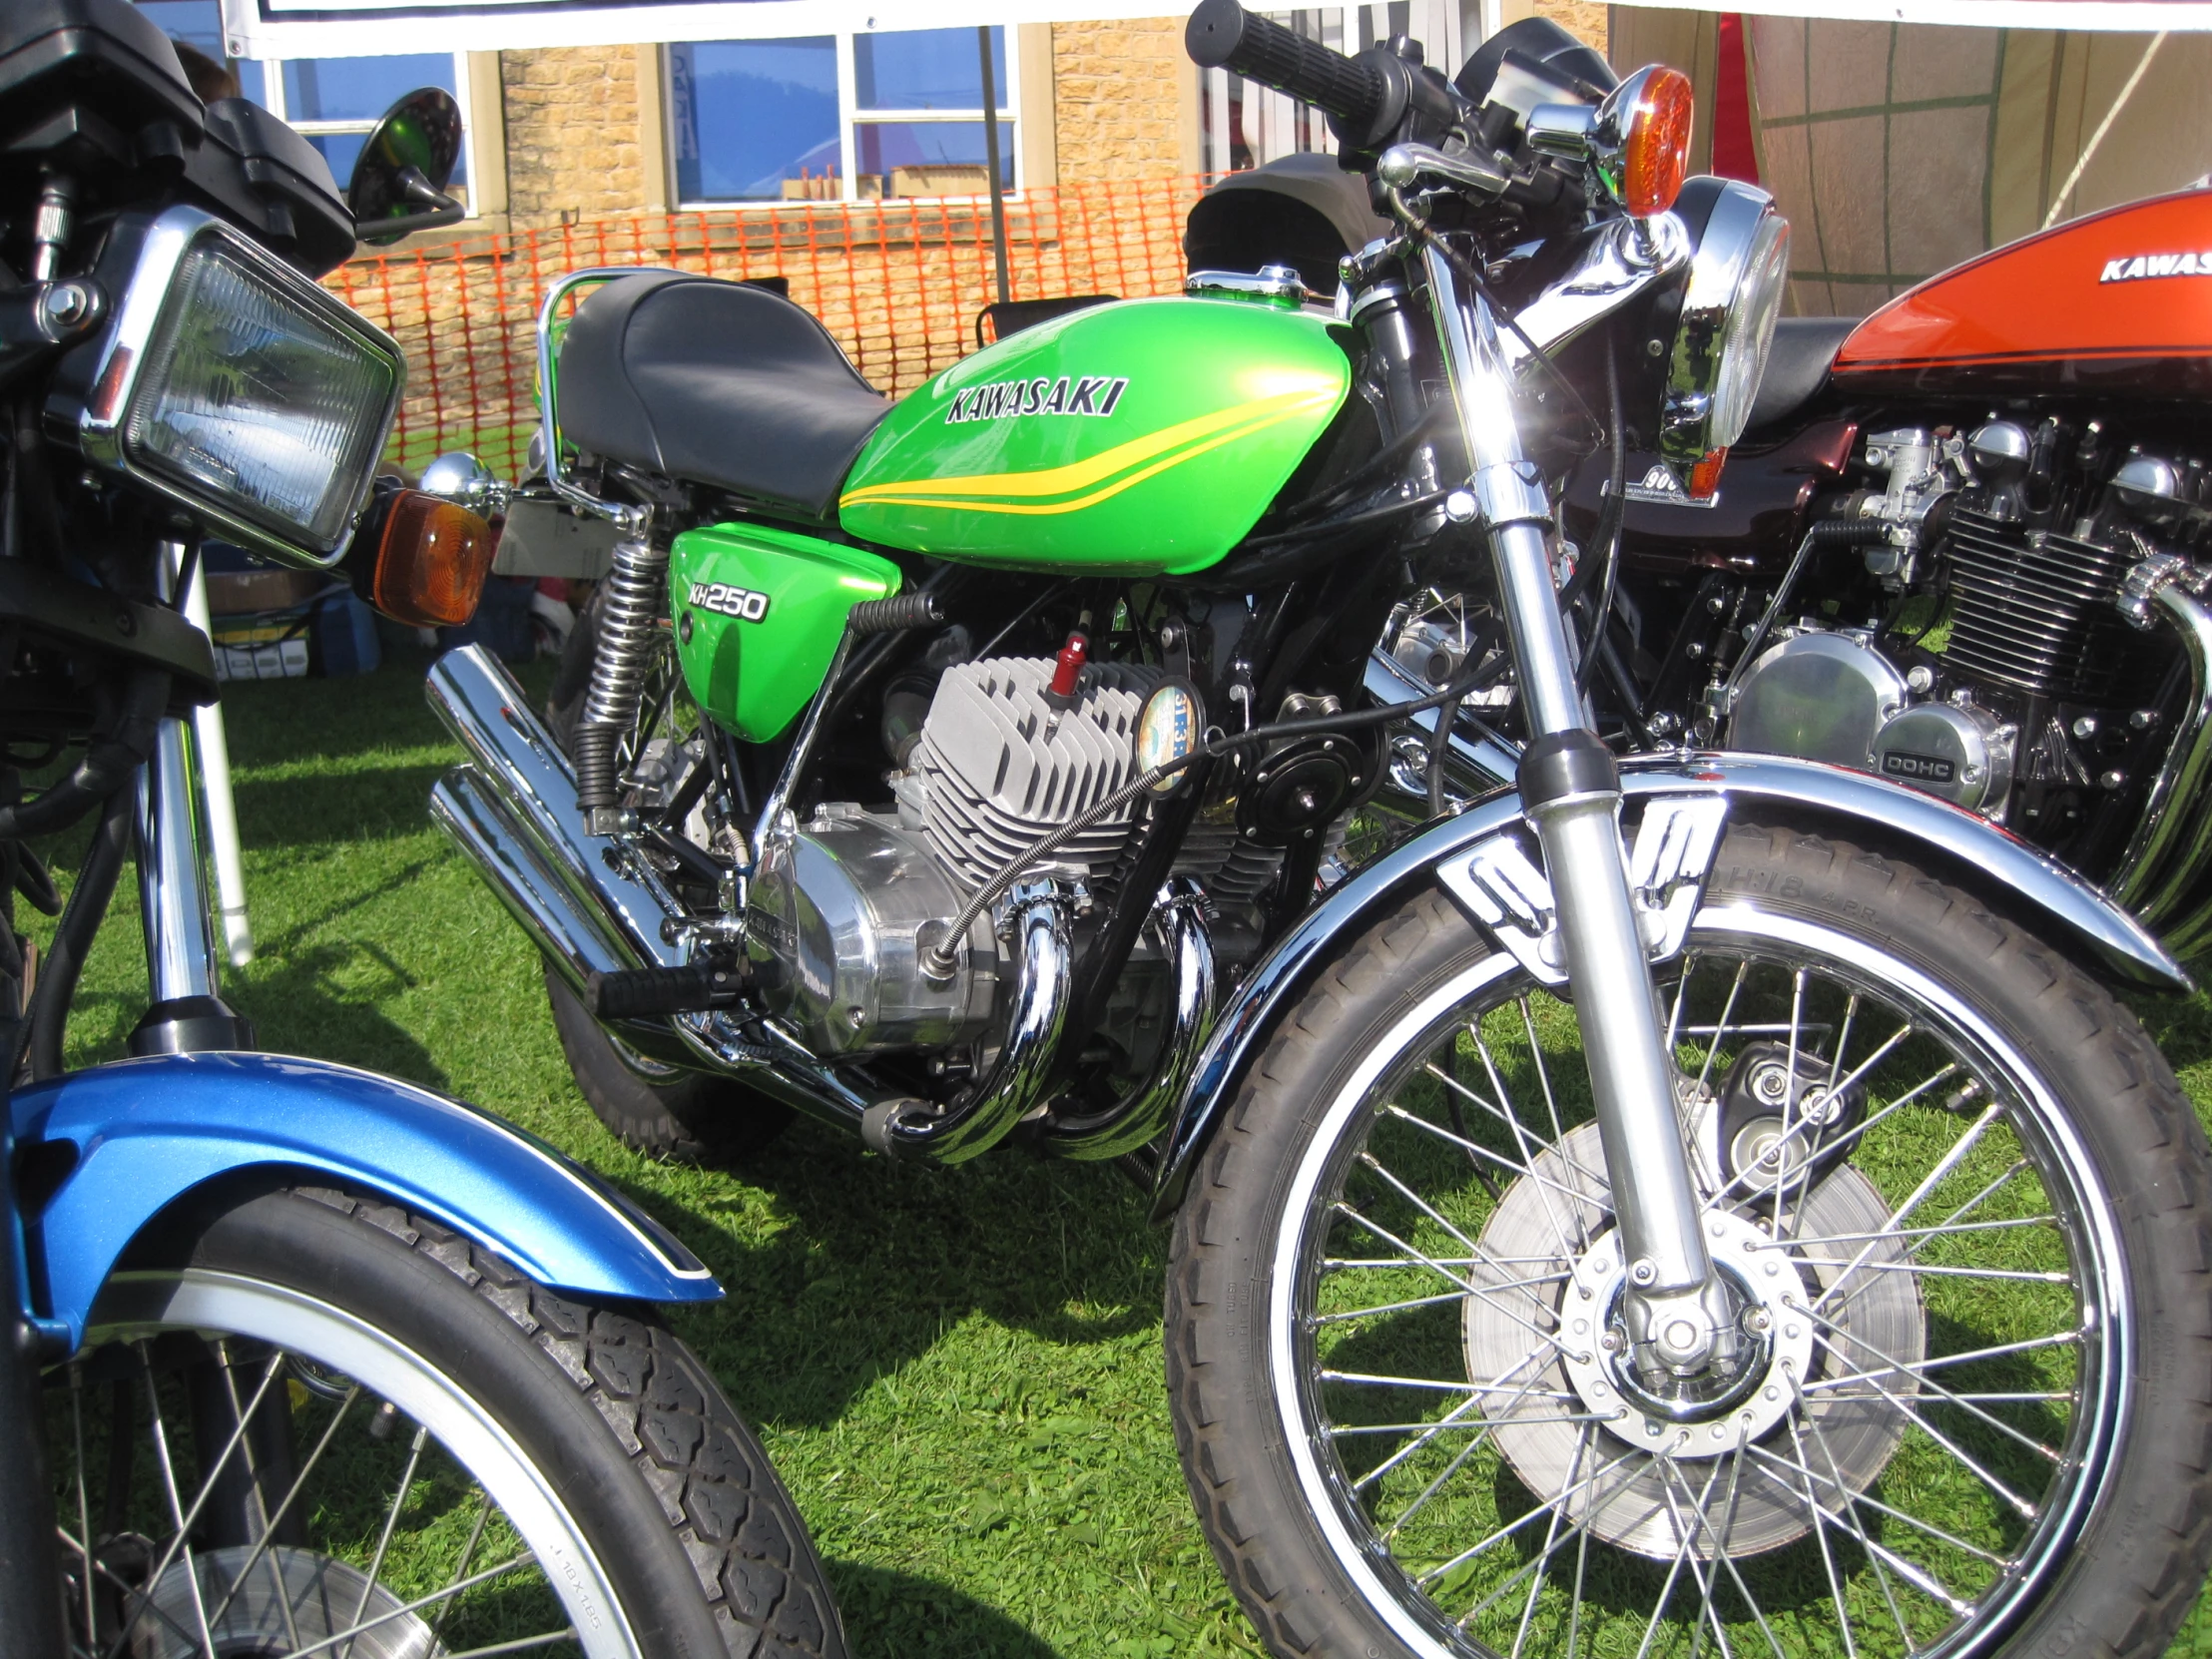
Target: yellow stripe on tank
(1186, 441)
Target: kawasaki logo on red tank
(1083, 394)
(2126, 270)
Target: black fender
(1973, 852)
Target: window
(334, 102)
(836, 117)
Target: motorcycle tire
(1386, 1327)
(468, 1461)
(661, 1110)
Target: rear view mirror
(399, 179)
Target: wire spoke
(391, 1522)
(1479, 1293)
(1318, 1319)
(416, 1605)
(1929, 1382)
(291, 1496)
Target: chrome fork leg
(1570, 788)
(183, 969)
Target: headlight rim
(1735, 229)
(119, 378)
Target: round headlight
(1729, 307)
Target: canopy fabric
(1898, 150)
(378, 28)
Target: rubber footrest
(645, 993)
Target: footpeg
(643, 993)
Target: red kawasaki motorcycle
(1961, 544)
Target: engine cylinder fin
(2033, 611)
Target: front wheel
(438, 1459)
(1953, 1190)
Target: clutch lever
(1402, 166)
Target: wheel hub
(1714, 1410)
(1584, 1434)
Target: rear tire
(662, 1111)
(1330, 1538)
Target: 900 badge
(724, 599)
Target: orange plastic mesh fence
(899, 283)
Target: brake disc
(327, 1597)
(1828, 1395)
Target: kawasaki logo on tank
(1083, 394)
(2126, 270)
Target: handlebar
(1222, 35)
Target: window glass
(754, 120)
(927, 68)
(359, 88)
(200, 23)
(929, 158)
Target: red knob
(1067, 668)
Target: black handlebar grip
(1222, 35)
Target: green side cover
(758, 614)
(1128, 439)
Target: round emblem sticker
(1167, 730)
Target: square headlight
(240, 388)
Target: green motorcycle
(1690, 1197)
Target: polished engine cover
(1819, 697)
(836, 924)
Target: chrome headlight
(236, 387)
(1729, 307)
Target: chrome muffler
(588, 901)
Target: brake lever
(1400, 165)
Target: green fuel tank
(1140, 438)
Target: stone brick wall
(1589, 21)
(1117, 97)
(572, 133)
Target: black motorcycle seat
(1797, 367)
(717, 383)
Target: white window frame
(272, 81)
(851, 118)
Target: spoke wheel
(1923, 1214)
(447, 1483)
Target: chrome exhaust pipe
(524, 772)
(564, 934)
(587, 902)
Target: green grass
(958, 1371)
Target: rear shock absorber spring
(631, 604)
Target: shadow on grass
(887, 1612)
(376, 804)
(877, 1259)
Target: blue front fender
(146, 1132)
(1960, 847)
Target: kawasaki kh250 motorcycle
(1700, 1199)
(296, 1359)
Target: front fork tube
(1571, 790)
(183, 966)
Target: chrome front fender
(146, 1132)
(1952, 843)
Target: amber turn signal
(432, 563)
(1705, 476)
(1655, 145)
